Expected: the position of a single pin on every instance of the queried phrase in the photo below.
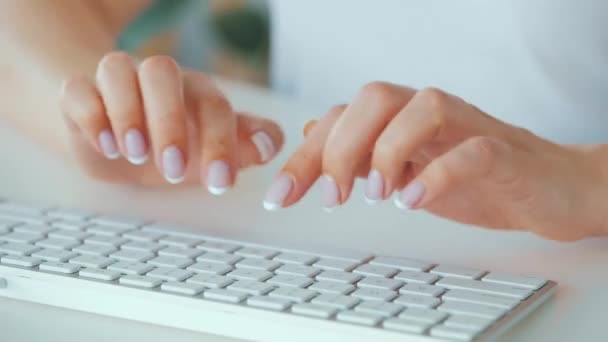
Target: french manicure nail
(330, 194)
(410, 196)
(218, 177)
(374, 187)
(108, 146)
(174, 166)
(137, 152)
(264, 145)
(278, 192)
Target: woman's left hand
(448, 157)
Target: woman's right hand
(177, 117)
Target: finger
(259, 140)
(419, 123)
(84, 110)
(119, 88)
(309, 126)
(474, 159)
(303, 167)
(354, 135)
(162, 93)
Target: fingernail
(218, 177)
(108, 146)
(174, 166)
(137, 152)
(278, 192)
(264, 145)
(374, 187)
(410, 196)
(330, 194)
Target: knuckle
(484, 148)
(116, 59)
(216, 103)
(442, 173)
(336, 110)
(378, 91)
(434, 98)
(158, 63)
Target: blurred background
(229, 38)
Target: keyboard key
(14, 248)
(180, 241)
(167, 261)
(56, 255)
(380, 283)
(92, 261)
(290, 280)
(460, 272)
(379, 307)
(332, 287)
(97, 274)
(211, 281)
(423, 315)
(217, 246)
(132, 255)
(22, 261)
(250, 274)
(59, 267)
(300, 270)
(190, 289)
(258, 264)
(468, 322)
(363, 318)
(107, 230)
(416, 277)
(453, 333)
(210, 267)
(106, 240)
(70, 225)
(22, 208)
(140, 281)
(402, 263)
(130, 267)
(120, 222)
(225, 295)
(180, 252)
(335, 264)
(253, 252)
(339, 276)
(251, 287)
(486, 287)
(376, 270)
(269, 303)
(26, 238)
(313, 310)
(478, 310)
(422, 289)
(418, 301)
(69, 234)
(25, 218)
(406, 325)
(336, 300)
(481, 298)
(219, 257)
(293, 293)
(515, 280)
(57, 243)
(33, 229)
(7, 224)
(170, 274)
(70, 214)
(139, 235)
(296, 258)
(374, 294)
(143, 246)
(95, 249)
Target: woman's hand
(444, 155)
(178, 117)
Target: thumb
(259, 140)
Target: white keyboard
(150, 272)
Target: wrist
(595, 174)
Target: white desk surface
(29, 173)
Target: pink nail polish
(218, 177)
(410, 196)
(278, 192)
(137, 152)
(374, 187)
(264, 145)
(108, 145)
(330, 194)
(174, 166)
